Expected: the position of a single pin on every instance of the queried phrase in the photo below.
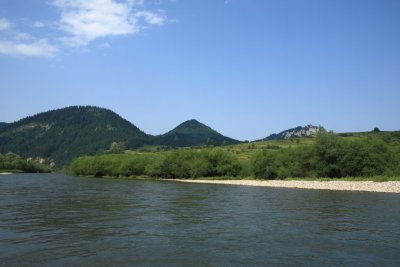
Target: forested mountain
(62, 134)
(306, 131)
(65, 133)
(192, 133)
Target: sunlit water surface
(57, 220)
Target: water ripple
(56, 220)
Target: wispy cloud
(39, 24)
(85, 21)
(80, 23)
(14, 42)
(22, 36)
(150, 17)
(4, 24)
(40, 48)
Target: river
(58, 220)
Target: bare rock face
(306, 131)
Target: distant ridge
(306, 131)
(193, 133)
(62, 134)
(65, 133)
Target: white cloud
(22, 36)
(80, 22)
(86, 21)
(38, 24)
(21, 43)
(4, 24)
(150, 17)
(40, 48)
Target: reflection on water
(55, 220)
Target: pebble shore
(388, 187)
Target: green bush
(13, 162)
(134, 166)
(330, 156)
(329, 151)
(173, 164)
(264, 165)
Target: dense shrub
(330, 156)
(364, 159)
(329, 151)
(264, 165)
(199, 163)
(173, 164)
(13, 162)
(290, 162)
(221, 163)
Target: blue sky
(247, 68)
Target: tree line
(172, 164)
(332, 157)
(11, 162)
(329, 156)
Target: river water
(57, 220)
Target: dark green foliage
(264, 165)
(366, 159)
(3, 124)
(330, 156)
(69, 132)
(222, 163)
(327, 156)
(329, 152)
(174, 164)
(99, 166)
(194, 164)
(394, 167)
(180, 164)
(66, 133)
(340, 158)
(290, 162)
(193, 133)
(63, 134)
(133, 166)
(14, 163)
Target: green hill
(193, 133)
(63, 134)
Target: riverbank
(367, 186)
(5, 173)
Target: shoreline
(5, 173)
(360, 186)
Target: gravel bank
(388, 187)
